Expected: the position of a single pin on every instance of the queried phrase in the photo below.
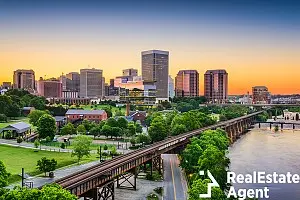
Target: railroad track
(102, 168)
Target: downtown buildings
(261, 95)
(187, 83)
(216, 86)
(24, 79)
(92, 83)
(155, 68)
(50, 88)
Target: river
(264, 150)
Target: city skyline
(257, 42)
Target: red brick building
(74, 115)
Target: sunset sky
(256, 41)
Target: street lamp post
(100, 154)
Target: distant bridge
(254, 105)
(278, 123)
(97, 182)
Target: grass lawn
(12, 121)
(15, 158)
(92, 147)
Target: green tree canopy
(35, 115)
(46, 126)
(68, 129)
(4, 175)
(46, 165)
(112, 122)
(81, 129)
(122, 122)
(158, 129)
(81, 146)
(178, 129)
(51, 191)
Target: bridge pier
(125, 178)
(107, 192)
(157, 164)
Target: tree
(178, 129)
(87, 124)
(35, 115)
(46, 126)
(50, 191)
(81, 129)
(200, 187)
(158, 129)
(5, 101)
(95, 131)
(122, 122)
(38, 103)
(68, 129)
(133, 141)
(13, 110)
(108, 112)
(131, 129)
(119, 113)
(81, 145)
(112, 122)
(116, 132)
(106, 130)
(3, 118)
(190, 156)
(217, 163)
(46, 165)
(143, 139)
(4, 175)
(138, 128)
(36, 143)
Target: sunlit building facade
(216, 86)
(187, 83)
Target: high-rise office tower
(50, 88)
(24, 79)
(171, 87)
(155, 67)
(91, 83)
(216, 86)
(130, 72)
(261, 95)
(71, 82)
(187, 83)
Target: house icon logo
(213, 183)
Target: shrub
(8, 135)
(48, 139)
(19, 140)
(3, 118)
(36, 143)
(63, 146)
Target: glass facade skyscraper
(155, 67)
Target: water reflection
(265, 150)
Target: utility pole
(23, 178)
(100, 154)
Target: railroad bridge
(98, 181)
